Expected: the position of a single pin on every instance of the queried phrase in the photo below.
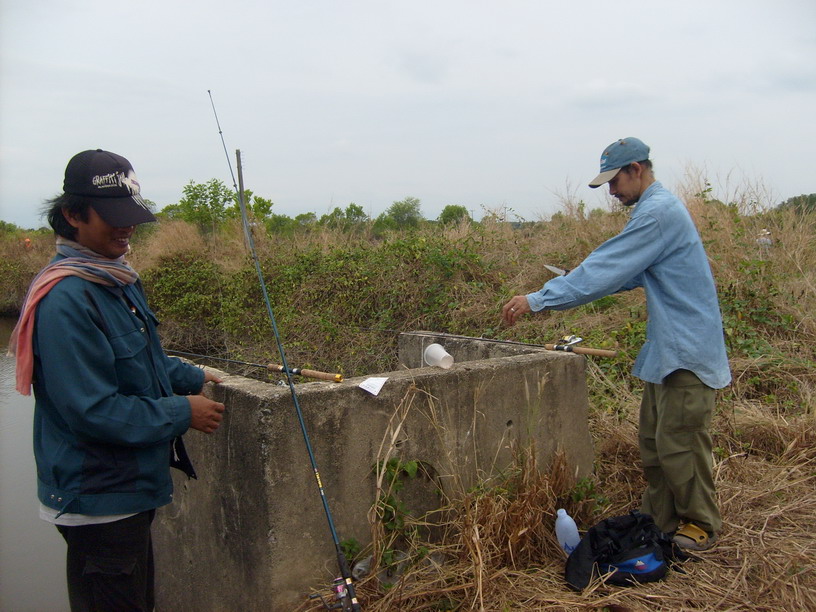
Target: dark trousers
(110, 565)
(675, 446)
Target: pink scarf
(79, 261)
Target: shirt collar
(648, 193)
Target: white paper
(373, 385)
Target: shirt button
(59, 499)
(141, 329)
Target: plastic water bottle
(566, 531)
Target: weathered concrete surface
(251, 532)
(463, 348)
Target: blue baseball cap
(617, 155)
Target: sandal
(691, 537)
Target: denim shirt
(661, 251)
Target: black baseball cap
(109, 183)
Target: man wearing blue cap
(683, 360)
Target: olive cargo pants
(675, 447)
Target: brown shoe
(691, 537)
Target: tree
(307, 219)
(338, 219)
(355, 215)
(8, 228)
(335, 219)
(204, 204)
(257, 207)
(802, 204)
(151, 205)
(404, 214)
(280, 224)
(453, 213)
(210, 204)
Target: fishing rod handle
(581, 350)
(308, 373)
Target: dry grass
(164, 241)
(499, 551)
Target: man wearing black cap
(110, 406)
(683, 360)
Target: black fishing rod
(347, 595)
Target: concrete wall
(251, 532)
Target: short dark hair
(76, 206)
(646, 163)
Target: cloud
(606, 94)
(460, 102)
(421, 67)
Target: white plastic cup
(436, 355)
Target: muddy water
(32, 553)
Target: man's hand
(205, 414)
(210, 377)
(517, 306)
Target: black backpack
(631, 546)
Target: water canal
(32, 553)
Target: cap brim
(604, 177)
(122, 212)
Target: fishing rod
(272, 367)
(566, 344)
(347, 595)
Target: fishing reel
(567, 341)
(342, 600)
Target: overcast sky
(502, 105)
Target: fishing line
(341, 558)
(224, 144)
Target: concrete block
(251, 533)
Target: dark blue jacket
(108, 405)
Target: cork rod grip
(308, 373)
(580, 350)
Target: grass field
(340, 298)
